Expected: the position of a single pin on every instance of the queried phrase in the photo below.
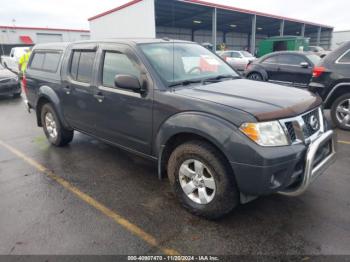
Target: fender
(48, 93)
(333, 91)
(261, 71)
(197, 123)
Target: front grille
(309, 130)
(303, 127)
(291, 132)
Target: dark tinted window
(272, 59)
(51, 61)
(37, 61)
(291, 59)
(74, 65)
(117, 63)
(82, 65)
(345, 58)
(86, 63)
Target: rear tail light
(318, 71)
(24, 85)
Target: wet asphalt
(39, 216)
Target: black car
(331, 80)
(288, 68)
(9, 84)
(222, 140)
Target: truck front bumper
(315, 164)
(292, 177)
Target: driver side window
(117, 63)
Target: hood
(5, 74)
(265, 101)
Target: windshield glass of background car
(176, 62)
(246, 54)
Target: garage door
(48, 38)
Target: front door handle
(67, 89)
(100, 97)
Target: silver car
(237, 59)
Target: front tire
(340, 112)
(53, 128)
(202, 181)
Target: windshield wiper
(185, 83)
(219, 77)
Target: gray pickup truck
(221, 140)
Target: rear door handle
(100, 97)
(67, 89)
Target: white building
(11, 36)
(339, 38)
(202, 21)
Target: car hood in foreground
(5, 74)
(265, 101)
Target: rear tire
(200, 170)
(340, 112)
(53, 128)
(255, 76)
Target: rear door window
(290, 60)
(82, 64)
(345, 59)
(271, 60)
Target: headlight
(265, 134)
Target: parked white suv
(11, 61)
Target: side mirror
(304, 65)
(128, 82)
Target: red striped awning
(26, 39)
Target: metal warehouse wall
(10, 37)
(238, 41)
(136, 20)
(326, 39)
(340, 38)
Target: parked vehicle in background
(11, 61)
(318, 50)
(237, 59)
(9, 83)
(220, 139)
(286, 68)
(331, 80)
(282, 43)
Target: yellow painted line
(344, 142)
(129, 226)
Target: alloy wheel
(343, 112)
(50, 125)
(197, 181)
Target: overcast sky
(74, 13)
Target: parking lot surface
(92, 198)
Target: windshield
(179, 62)
(315, 59)
(246, 54)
